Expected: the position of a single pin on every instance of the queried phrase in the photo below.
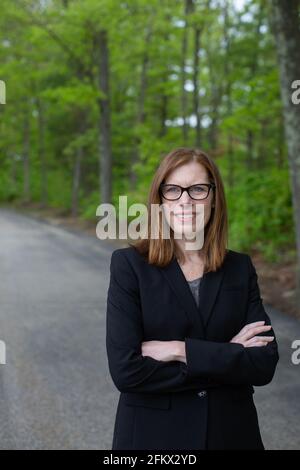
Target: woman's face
(180, 213)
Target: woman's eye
(198, 189)
(172, 190)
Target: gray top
(194, 286)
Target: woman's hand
(247, 337)
(163, 350)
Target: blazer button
(202, 394)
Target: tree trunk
(285, 22)
(227, 70)
(164, 112)
(250, 139)
(188, 7)
(196, 97)
(76, 181)
(105, 152)
(250, 149)
(216, 92)
(164, 102)
(280, 145)
(26, 162)
(42, 156)
(140, 116)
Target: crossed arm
(249, 337)
(173, 366)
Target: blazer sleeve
(232, 363)
(130, 371)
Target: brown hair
(161, 251)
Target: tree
(285, 22)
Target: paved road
(55, 389)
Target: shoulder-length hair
(161, 251)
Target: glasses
(172, 192)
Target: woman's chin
(184, 231)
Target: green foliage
(260, 212)
(59, 186)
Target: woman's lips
(188, 216)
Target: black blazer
(208, 402)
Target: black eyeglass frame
(187, 188)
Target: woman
(185, 360)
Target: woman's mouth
(186, 216)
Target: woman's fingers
(250, 331)
(255, 345)
(252, 325)
(255, 331)
(258, 341)
(261, 338)
(256, 323)
(264, 338)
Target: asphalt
(55, 388)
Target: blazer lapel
(209, 287)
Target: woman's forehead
(188, 174)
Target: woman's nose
(185, 198)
